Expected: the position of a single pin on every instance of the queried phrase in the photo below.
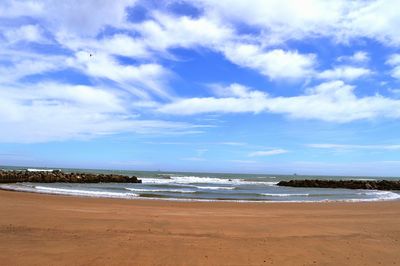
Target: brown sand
(58, 230)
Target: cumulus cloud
(344, 73)
(138, 79)
(239, 99)
(332, 101)
(395, 91)
(29, 33)
(36, 111)
(377, 20)
(165, 31)
(280, 19)
(78, 18)
(394, 61)
(290, 19)
(15, 64)
(253, 34)
(275, 63)
(15, 8)
(118, 45)
(54, 112)
(357, 57)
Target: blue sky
(308, 87)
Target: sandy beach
(37, 229)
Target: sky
(249, 86)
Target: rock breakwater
(350, 184)
(59, 176)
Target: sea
(186, 186)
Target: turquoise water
(209, 187)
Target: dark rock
(59, 176)
(351, 184)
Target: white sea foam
(88, 193)
(197, 179)
(283, 194)
(39, 170)
(359, 195)
(160, 190)
(381, 195)
(216, 188)
(203, 180)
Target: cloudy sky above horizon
(257, 86)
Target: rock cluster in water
(59, 176)
(351, 184)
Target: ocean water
(208, 187)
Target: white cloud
(276, 64)
(86, 18)
(23, 64)
(342, 20)
(252, 101)
(29, 33)
(360, 57)
(344, 73)
(354, 146)
(395, 91)
(55, 112)
(396, 72)
(140, 80)
(72, 17)
(280, 19)
(166, 31)
(200, 152)
(357, 57)
(198, 143)
(230, 143)
(242, 161)
(331, 101)
(377, 20)
(15, 8)
(394, 61)
(267, 153)
(194, 159)
(78, 29)
(117, 44)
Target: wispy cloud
(347, 73)
(357, 57)
(354, 146)
(195, 159)
(227, 143)
(242, 161)
(201, 152)
(333, 101)
(53, 111)
(120, 77)
(267, 153)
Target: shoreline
(2, 188)
(40, 229)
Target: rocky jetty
(59, 176)
(351, 184)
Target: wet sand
(37, 229)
